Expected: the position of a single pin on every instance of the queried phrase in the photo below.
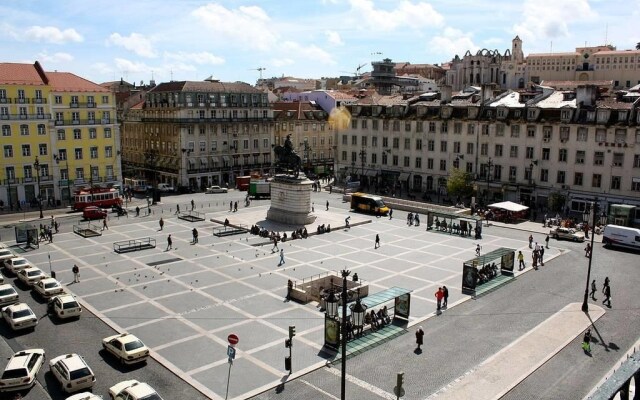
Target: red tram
(99, 197)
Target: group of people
(300, 233)
(486, 273)
(323, 229)
(442, 297)
(413, 219)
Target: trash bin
(53, 274)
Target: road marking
(318, 389)
(367, 386)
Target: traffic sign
(233, 339)
(231, 352)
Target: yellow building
(59, 133)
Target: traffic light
(292, 332)
(400, 381)
(287, 343)
(287, 363)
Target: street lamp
(489, 165)
(36, 165)
(363, 158)
(357, 312)
(589, 216)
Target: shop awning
(509, 206)
(204, 161)
(371, 172)
(404, 176)
(225, 159)
(215, 160)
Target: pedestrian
(50, 234)
(230, 206)
(193, 204)
(194, 232)
(521, 265)
(478, 250)
(377, 241)
(161, 223)
(530, 241)
(53, 222)
(235, 206)
(281, 257)
(445, 296)
(137, 211)
(56, 225)
(104, 223)
(313, 209)
(169, 243)
(416, 220)
(534, 255)
(606, 283)
(536, 246)
(410, 219)
(587, 250)
(419, 337)
(544, 222)
(327, 205)
(439, 295)
(346, 222)
(289, 288)
(607, 295)
(541, 255)
(177, 209)
(275, 245)
(390, 213)
(586, 341)
(76, 273)
(546, 241)
(594, 289)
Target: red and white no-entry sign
(233, 339)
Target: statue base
(291, 200)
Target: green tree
(459, 183)
(638, 46)
(556, 201)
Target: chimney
(586, 95)
(486, 92)
(445, 94)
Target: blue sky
(103, 40)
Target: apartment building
(59, 133)
(521, 146)
(198, 133)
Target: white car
(65, 306)
(566, 233)
(72, 372)
(15, 264)
(8, 295)
(133, 390)
(216, 189)
(19, 316)
(6, 254)
(48, 287)
(22, 369)
(128, 348)
(31, 275)
(84, 396)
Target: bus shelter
(502, 258)
(27, 235)
(455, 224)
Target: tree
(556, 201)
(638, 46)
(459, 183)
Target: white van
(621, 236)
(165, 187)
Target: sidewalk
(533, 227)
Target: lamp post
(363, 158)
(592, 210)
(36, 165)
(489, 165)
(343, 334)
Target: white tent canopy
(509, 206)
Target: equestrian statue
(288, 159)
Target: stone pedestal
(291, 200)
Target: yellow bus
(367, 203)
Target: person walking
(346, 222)
(607, 295)
(194, 232)
(390, 213)
(161, 222)
(281, 257)
(521, 265)
(327, 205)
(445, 296)
(76, 273)
(193, 204)
(586, 341)
(137, 211)
(587, 250)
(410, 219)
(419, 337)
(594, 289)
(104, 223)
(275, 245)
(235, 206)
(541, 255)
(230, 206)
(439, 295)
(606, 283)
(169, 243)
(377, 244)
(177, 209)
(416, 220)
(531, 241)
(478, 250)
(546, 241)
(289, 288)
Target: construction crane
(260, 69)
(356, 73)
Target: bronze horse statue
(288, 159)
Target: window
(407, 126)
(560, 177)
(354, 156)
(384, 158)
(396, 143)
(374, 124)
(80, 173)
(374, 141)
(8, 151)
(564, 133)
(24, 130)
(429, 163)
(105, 99)
(635, 183)
(419, 126)
(385, 142)
(580, 155)
(513, 152)
(485, 129)
(363, 141)
(546, 153)
(621, 136)
(93, 151)
(513, 173)
(26, 150)
(42, 130)
(75, 117)
(354, 140)
(616, 182)
(582, 134)
(93, 133)
(108, 151)
(374, 158)
(431, 145)
(394, 160)
(58, 99)
(432, 127)
(469, 148)
(344, 156)
(396, 126)
(601, 135)
(407, 143)
(498, 150)
(61, 134)
(363, 124)
(457, 128)
(529, 152)
(418, 144)
(471, 129)
(598, 158)
(577, 179)
(418, 162)
(407, 162)
(546, 133)
(78, 153)
(444, 127)
(28, 171)
(6, 130)
(456, 147)
(77, 134)
(443, 165)
(544, 175)
(344, 140)
(42, 149)
(497, 172)
(596, 181)
(203, 146)
(562, 155)
(443, 146)
(618, 159)
(62, 154)
(354, 124)
(636, 161)
(515, 130)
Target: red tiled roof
(68, 82)
(20, 74)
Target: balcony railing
(46, 178)
(203, 120)
(4, 100)
(37, 100)
(62, 122)
(24, 117)
(21, 101)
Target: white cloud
(551, 18)
(308, 52)
(202, 57)
(281, 62)
(130, 67)
(248, 27)
(102, 68)
(407, 14)
(451, 42)
(334, 38)
(58, 57)
(135, 42)
(51, 34)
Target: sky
(240, 40)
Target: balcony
(24, 117)
(74, 105)
(203, 120)
(38, 100)
(21, 101)
(46, 178)
(4, 100)
(82, 105)
(61, 122)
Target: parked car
(216, 189)
(30, 276)
(65, 306)
(72, 372)
(567, 233)
(133, 390)
(8, 295)
(48, 287)
(19, 316)
(93, 212)
(166, 188)
(126, 347)
(621, 236)
(16, 264)
(85, 396)
(22, 369)
(5, 254)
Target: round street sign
(233, 339)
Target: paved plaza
(184, 302)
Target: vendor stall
(508, 211)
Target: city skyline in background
(237, 40)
